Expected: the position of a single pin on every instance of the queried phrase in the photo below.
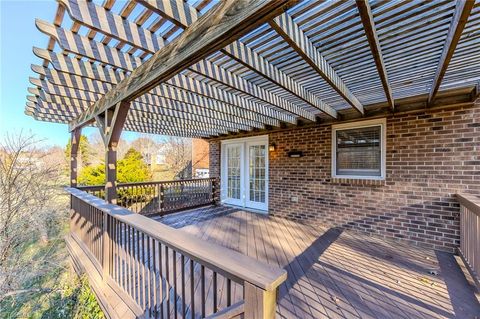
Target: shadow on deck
(340, 274)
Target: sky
(18, 35)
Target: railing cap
(98, 187)
(236, 266)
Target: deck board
(336, 273)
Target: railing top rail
(231, 264)
(470, 201)
(91, 187)
(97, 187)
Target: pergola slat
(314, 62)
(296, 38)
(216, 73)
(175, 110)
(145, 101)
(184, 15)
(59, 110)
(94, 50)
(105, 21)
(82, 105)
(164, 90)
(220, 26)
(65, 64)
(97, 51)
(459, 20)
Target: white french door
(245, 172)
(234, 177)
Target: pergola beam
(100, 52)
(81, 105)
(40, 109)
(294, 36)
(146, 113)
(97, 51)
(184, 15)
(149, 102)
(243, 106)
(221, 75)
(164, 91)
(460, 18)
(366, 16)
(219, 27)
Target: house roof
(319, 60)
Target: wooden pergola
(206, 69)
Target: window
(358, 150)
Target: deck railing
(164, 197)
(469, 248)
(168, 273)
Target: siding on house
(431, 155)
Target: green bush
(130, 169)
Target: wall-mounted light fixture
(272, 147)
(295, 154)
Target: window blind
(358, 151)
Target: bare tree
(29, 202)
(179, 156)
(147, 146)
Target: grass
(55, 291)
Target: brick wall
(431, 155)
(200, 154)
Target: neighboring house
(156, 159)
(200, 158)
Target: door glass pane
(233, 172)
(257, 173)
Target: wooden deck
(340, 274)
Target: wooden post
(259, 303)
(111, 173)
(161, 198)
(215, 191)
(111, 124)
(75, 141)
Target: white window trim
(383, 146)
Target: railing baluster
(139, 270)
(214, 292)
(161, 278)
(154, 260)
(175, 283)
(124, 255)
(469, 249)
(167, 282)
(131, 268)
(144, 279)
(202, 281)
(184, 311)
(229, 292)
(192, 289)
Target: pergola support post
(74, 143)
(111, 173)
(111, 124)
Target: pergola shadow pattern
(336, 273)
